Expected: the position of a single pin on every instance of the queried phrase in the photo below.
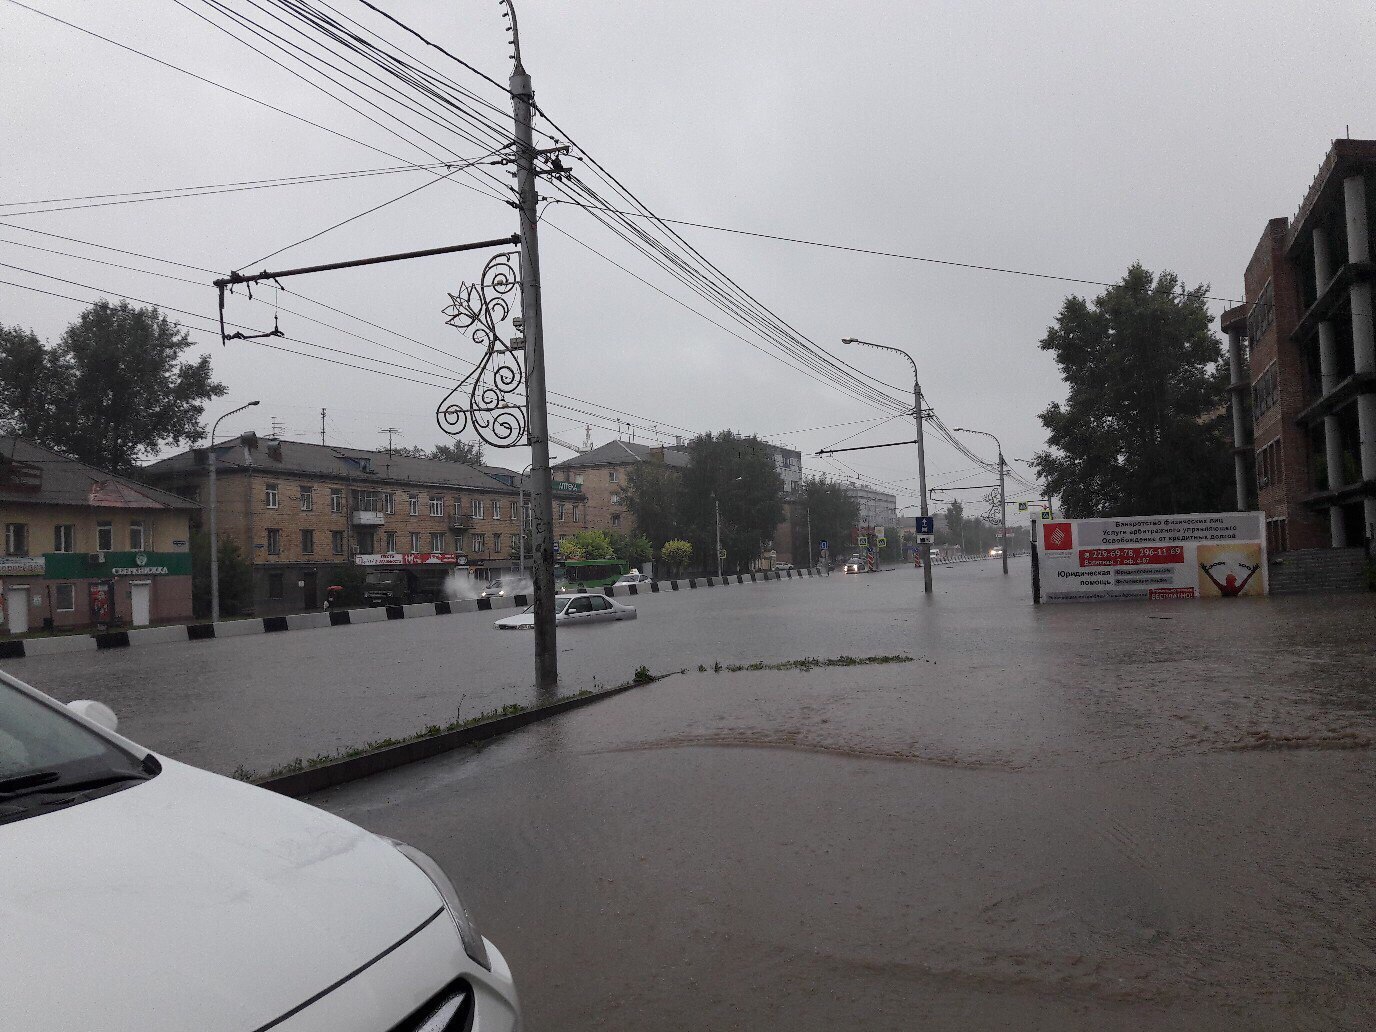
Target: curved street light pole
(214, 535)
(921, 453)
(1003, 500)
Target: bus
(572, 574)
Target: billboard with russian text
(1189, 555)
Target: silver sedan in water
(572, 609)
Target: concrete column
(1242, 438)
(1363, 333)
(1333, 454)
(1328, 367)
(1323, 259)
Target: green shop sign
(76, 565)
(566, 486)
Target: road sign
(880, 540)
(721, 553)
(823, 546)
(864, 540)
(926, 539)
(1022, 507)
(925, 524)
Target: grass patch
(813, 663)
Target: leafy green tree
(634, 548)
(955, 524)
(236, 578)
(588, 544)
(651, 494)
(1142, 428)
(834, 514)
(738, 473)
(677, 554)
(111, 392)
(351, 579)
(470, 453)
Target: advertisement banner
(1192, 555)
(410, 559)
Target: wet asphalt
(1080, 817)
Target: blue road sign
(926, 524)
(824, 544)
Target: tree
(651, 494)
(588, 544)
(470, 453)
(633, 548)
(111, 392)
(739, 473)
(676, 554)
(955, 523)
(1141, 430)
(236, 578)
(834, 514)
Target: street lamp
(716, 504)
(214, 537)
(1003, 502)
(921, 454)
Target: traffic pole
(541, 490)
(926, 546)
(1003, 512)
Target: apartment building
(86, 548)
(601, 475)
(1305, 389)
(301, 512)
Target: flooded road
(1084, 817)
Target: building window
(478, 508)
(65, 601)
(415, 541)
(367, 501)
(1277, 538)
(389, 502)
(270, 496)
(458, 542)
(616, 499)
(559, 512)
(136, 536)
(105, 536)
(616, 519)
(578, 479)
(437, 541)
(336, 499)
(436, 505)
(275, 586)
(575, 514)
(337, 542)
(308, 542)
(1264, 392)
(413, 505)
(16, 539)
(515, 512)
(307, 498)
(274, 541)
(389, 541)
(1262, 315)
(479, 542)
(613, 476)
(64, 537)
(365, 541)
(496, 542)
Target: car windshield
(45, 751)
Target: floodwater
(1084, 817)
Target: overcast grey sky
(1066, 138)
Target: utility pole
(918, 416)
(532, 327)
(809, 537)
(716, 502)
(214, 535)
(322, 427)
(390, 431)
(1003, 498)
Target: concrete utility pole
(809, 537)
(1003, 498)
(918, 416)
(716, 502)
(533, 327)
(214, 534)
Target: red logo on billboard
(1056, 537)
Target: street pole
(541, 489)
(1003, 498)
(918, 416)
(809, 537)
(716, 502)
(214, 534)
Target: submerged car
(634, 577)
(855, 564)
(572, 609)
(140, 893)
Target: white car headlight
(473, 943)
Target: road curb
(171, 634)
(354, 768)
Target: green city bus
(572, 574)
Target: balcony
(366, 518)
(460, 524)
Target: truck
(396, 586)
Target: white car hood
(191, 901)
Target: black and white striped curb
(19, 648)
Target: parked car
(634, 577)
(143, 893)
(783, 566)
(572, 609)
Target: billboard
(1191, 555)
(410, 559)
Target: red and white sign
(410, 559)
(1184, 556)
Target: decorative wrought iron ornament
(491, 399)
